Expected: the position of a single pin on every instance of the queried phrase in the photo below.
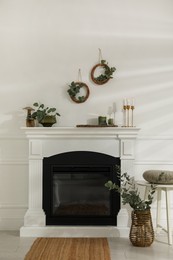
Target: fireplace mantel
(81, 132)
(124, 135)
(47, 141)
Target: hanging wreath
(107, 71)
(105, 76)
(78, 91)
(75, 91)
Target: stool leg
(158, 216)
(168, 216)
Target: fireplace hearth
(74, 191)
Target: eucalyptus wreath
(74, 90)
(102, 78)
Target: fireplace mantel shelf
(75, 132)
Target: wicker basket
(141, 232)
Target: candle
(128, 102)
(133, 102)
(125, 102)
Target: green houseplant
(141, 231)
(45, 115)
(130, 193)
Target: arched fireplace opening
(74, 191)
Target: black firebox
(74, 191)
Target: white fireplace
(45, 142)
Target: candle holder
(128, 115)
(125, 115)
(128, 108)
(132, 108)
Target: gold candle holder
(132, 108)
(128, 115)
(125, 115)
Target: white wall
(42, 46)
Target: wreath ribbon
(100, 55)
(79, 76)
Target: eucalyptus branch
(130, 193)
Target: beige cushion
(152, 176)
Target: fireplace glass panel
(80, 191)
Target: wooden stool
(159, 188)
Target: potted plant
(45, 115)
(141, 232)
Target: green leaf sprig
(107, 73)
(42, 111)
(130, 193)
(75, 89)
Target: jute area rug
(69, 249)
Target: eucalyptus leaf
(129, 192)
(108, 71)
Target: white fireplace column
(49, 141)
(35, 215)
(127, 154)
